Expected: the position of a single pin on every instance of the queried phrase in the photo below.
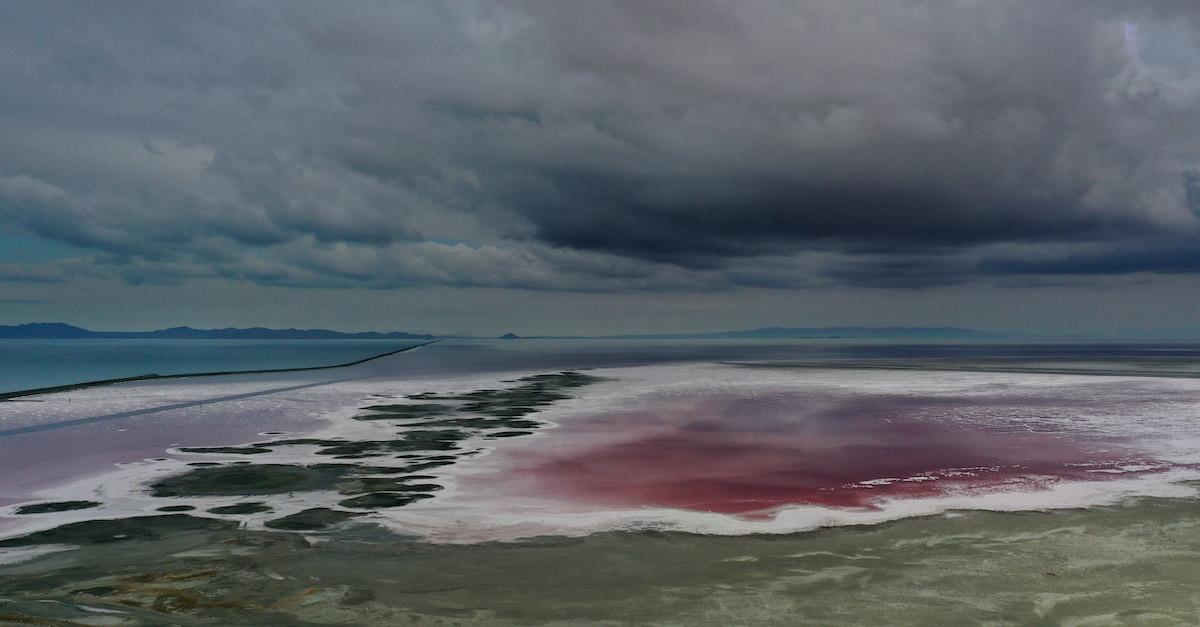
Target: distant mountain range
(58, 330)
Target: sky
(603, 166)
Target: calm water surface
(28, 364)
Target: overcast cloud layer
(600, 146)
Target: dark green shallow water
(1138, 563)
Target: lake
(667, 482)
(27, 364)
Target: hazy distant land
(58, 330)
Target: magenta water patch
(749, 455)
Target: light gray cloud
(601, 146)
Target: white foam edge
(530, 518)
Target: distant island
(58, 330)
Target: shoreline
(9, 396)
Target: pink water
(751, 455)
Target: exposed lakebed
(1128, 564)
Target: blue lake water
(26, 364)
(35, 363)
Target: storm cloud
(601, 146)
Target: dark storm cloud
(600, 145)
(1164, 257)
(749, 216)
(767, 125)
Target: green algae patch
(119, 530)
(383, 470)
(256, 507)
(484, 423)
(509, 434)
(312, 519)
(410, 442)
(498, 408)
(228, 450)
(176, 508)
(248, 480)
(442, 425)
(426, 466)
(59, 506)
(406, 412)
(381, 500)
(360, 485)
(430, 434)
